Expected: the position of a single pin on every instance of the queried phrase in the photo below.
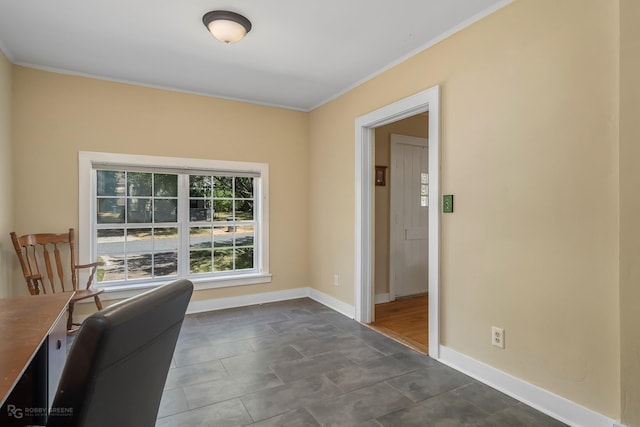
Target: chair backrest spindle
(47, 263)
(56, 251)
(34, 269)
(72, 257)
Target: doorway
(401, 232)
(426, 101)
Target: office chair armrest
(94, 267)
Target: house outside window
(152, 220)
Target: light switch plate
(447, 203)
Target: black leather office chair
(117, 366)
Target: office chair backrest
(117, 367)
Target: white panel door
(409, 216)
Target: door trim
(428, 100)
(394, 230)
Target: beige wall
(529, 149)
(6, 178)
(55, 116)
(630, 210)
(412, 126)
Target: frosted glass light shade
(228, 27)
(227, 31)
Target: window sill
(127, 291)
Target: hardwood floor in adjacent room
(405, 320)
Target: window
(222, 226)
(155, 219)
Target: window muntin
(141, 236)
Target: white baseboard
(331, 302)
(262, 298)
(382, 298)
(245, 300)
(551, 404)
(266, 297)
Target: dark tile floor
(298, 363)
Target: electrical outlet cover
(497, 336)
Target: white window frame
(87, 163)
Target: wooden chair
(40, 253)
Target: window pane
(244, 235)
(222, 210)
(165, 239)
(200, 210)
(200, 261)
(200, 186)
(222, 237)
(139, 184)
(113, 268)
(110, 183)
(223, 260)
(165, 185)
(244, 210)
(138, 210)
(110, 211)
(139, 240)
(139, 266)
(165, 264)
(244, 258)
(200, 237)
(110, 241)
(244, 187)
(222, 186)
(165, 210)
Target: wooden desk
(32, 332)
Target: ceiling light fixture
(228, 27)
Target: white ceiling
(299, 54)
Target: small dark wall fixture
(447, 203)
(381, 175)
